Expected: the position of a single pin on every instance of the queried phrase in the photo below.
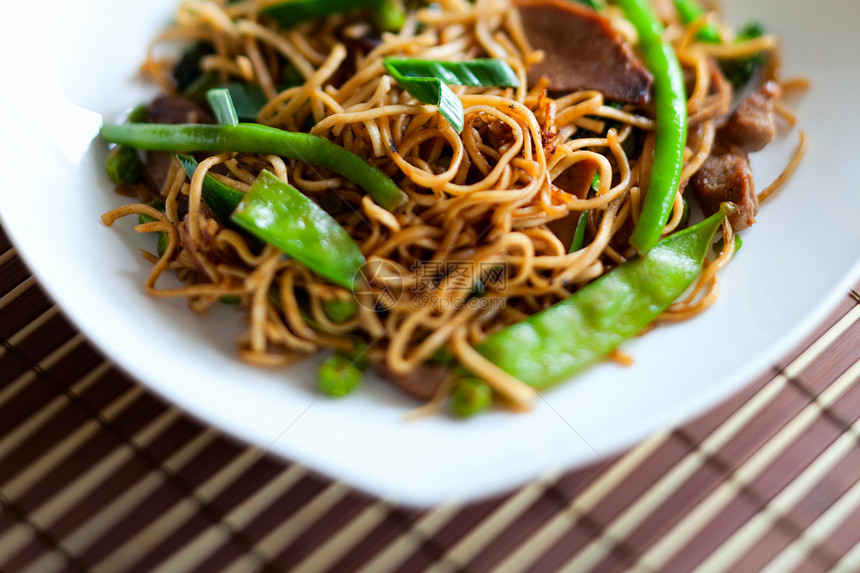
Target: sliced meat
(727, 178)
(582, 51)
(423, 382)
(172, 110)
(752, 125)
(575, 180)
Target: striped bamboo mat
(97, 474)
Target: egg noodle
(474, 248)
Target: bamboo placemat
(98, 474)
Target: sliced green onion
(294, 12)
(595, 183)
(248, 100)
(222, 106)
(281, 215)
(579, 235)
(220, 197)
(426, 81)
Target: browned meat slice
(582, 51)
(752, 125)
(575, 180)
(172, 110)
(727, 178)
(423, 382)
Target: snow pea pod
(279, 214)
(567, 337)
(256, 138)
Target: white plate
(77, 64)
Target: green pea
(338, 376)
(470, 396)
(340, 309)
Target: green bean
(256, 138)
(470, 396)
(562, 340)
(294, 12)
(671, 132)
(338, 376)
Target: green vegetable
(690, 11)
(567, 337)
(187, 71)
(255, 138)
(595, 183)
(294, 12)
(123, 165)
(279, 214)
(579, 235)
(737, 241)
(596, 4)
(340, 309)
(248, 100)
(389, 15)
(222, 106)
(685, 214)
(670, 101)
(739, 71)
(220, 197)
(161, 245)
(338, 376)
(426, 80)
(138, 115)
(470, 396)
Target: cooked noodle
(484, 197)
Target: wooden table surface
(99, 474)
